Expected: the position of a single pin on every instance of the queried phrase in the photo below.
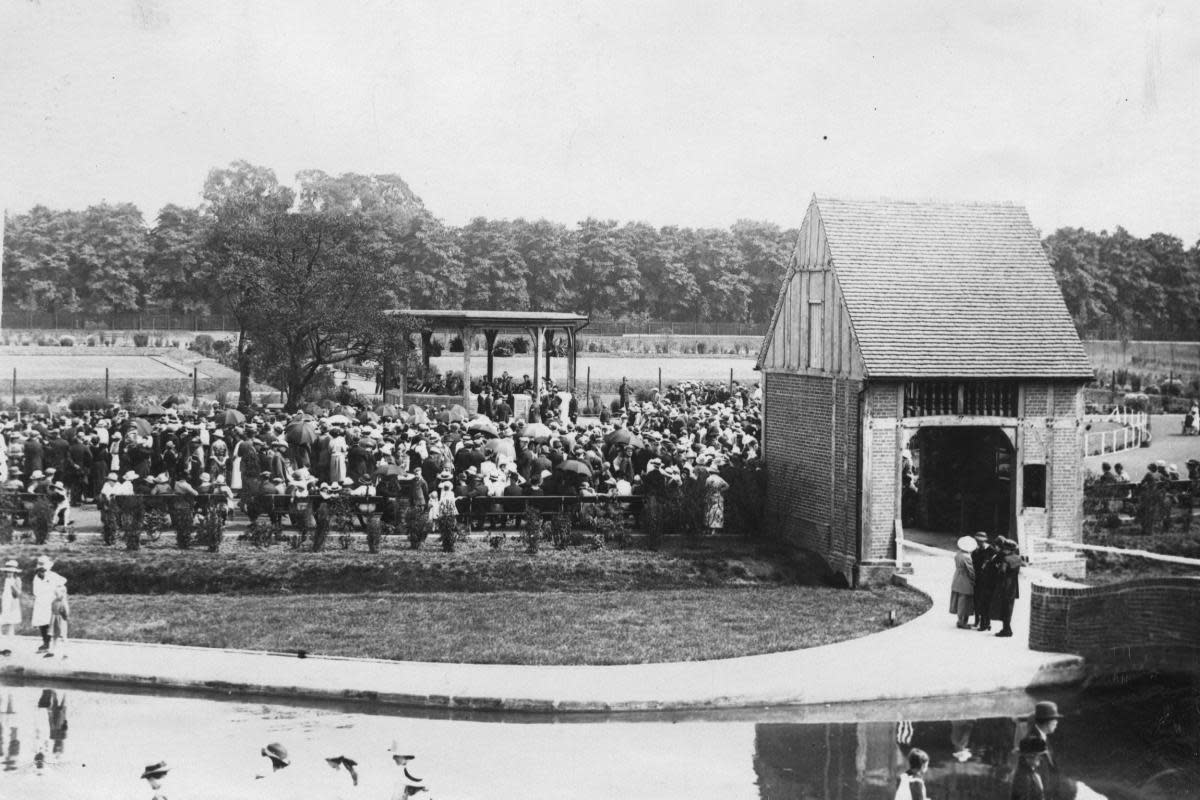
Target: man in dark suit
(1042, 725)
(984, 580)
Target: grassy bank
(614, 627)
(473, 567)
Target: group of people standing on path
(51, 607)
(985, 584)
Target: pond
(67, 741)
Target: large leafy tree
(549, 253)
(432, 273)
(497, 275)
(179, 267)
(606, 281)
(37, 260)
(109, 260)
(765, 250)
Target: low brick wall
(1147, 624)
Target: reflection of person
(1027, 783)
(912, 782)
(1041, 726)
(10, 605)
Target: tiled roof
(950, 290)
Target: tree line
(105, 259)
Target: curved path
(927, 657)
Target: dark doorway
(964, 480)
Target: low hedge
(479, 568)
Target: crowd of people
(692, 435)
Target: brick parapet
(1140, 624)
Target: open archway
(964, 481)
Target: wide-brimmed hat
(277, 752)
(980, 536)
(44, 562)
(130, 476)
(37, 474)
(11, 566)
(1045, 711)
(967, 544)
(156, 770)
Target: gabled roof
(938, 289)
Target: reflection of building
(863, 761)
(931, 327)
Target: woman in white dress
(10, 605)
(337, 456)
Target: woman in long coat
(337, 456)
(1006, 590)
(962, 587)
(714, 502)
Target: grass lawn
(615, 627)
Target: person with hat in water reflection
(154, 774)
(1042, 725)
(1027, 783)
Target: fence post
(106, 384)
(731, 380)
(14, 386)
(195, 388)
(660, 380)
(588, 391)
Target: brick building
(927, 340)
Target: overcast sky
(674, 112)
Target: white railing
(1135, 428)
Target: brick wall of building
(1143, 624)
(879, 541)
(812, 456)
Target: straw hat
(156, 770)
(11, 566)
(967, 544)
(277, 752)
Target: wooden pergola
(540, 326)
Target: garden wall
(1142, 625)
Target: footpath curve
(926, 658)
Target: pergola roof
(500, 320)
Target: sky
(671, 112)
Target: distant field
(36, 367)
(613, 368)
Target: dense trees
(251, 228)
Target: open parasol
(483, 425)
(388, 410)
(230, 416)
(458, 414)
(367, 416)
(576, 468)
(417, 415)
(142, 426)
(300, 432)
(537, 432)
(338, 419)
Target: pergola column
(489, 334)
(549, 350)
(403, 370)
(537, 334)
(466, 334)
(572, 369)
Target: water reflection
(1140, 741)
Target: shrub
(222, 346)
(496, 541)
(345, 540)
(183, 519)
(701, 347)
(1172, 388)
(520, 345)
(373, 528)
(27, 405)
(203, 343)
(1151, 388)
(435, 348)
(416, 526)
(91, 341)
(448, 532)
(531, 531)
(502, 349)
(141, 339)
(456, 344)
(321, 527)
(66, 341)
(211, 530)
(41, 520)
(127, 395)
(91, 325)
(561, 531)
(88, 402)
